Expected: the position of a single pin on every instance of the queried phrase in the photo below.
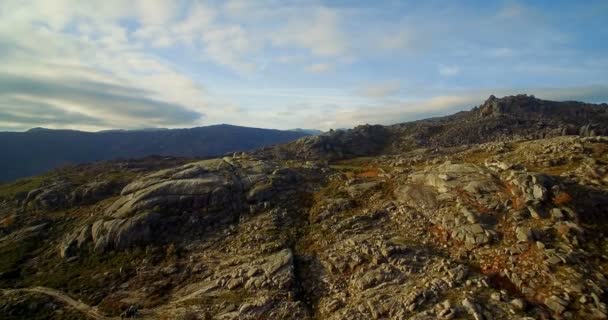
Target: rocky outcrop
(362, 140)
(117, 234)
(209, 185)
(199, 194)
(93, 192)
(497, 119)
(50, 197)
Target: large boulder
(50, 197)
(204, 186)
(205, 192)
(93, 192)
(104, 235)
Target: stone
(523, 234)
(472, 308)
(470, 216)
(111, 234)
(281, 259)
(444, 176)
(131, 312)
(458, 273)
(556, 214)
(533, 213)
(556, 304)
(496, 296)
(51, 197)
(93, 192)
(518, 304)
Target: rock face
(93, 192)
(63, 194)
(203, 193)
(112, 234)
(51, 197)
(192, 187)
(360, 141)
(497, 119)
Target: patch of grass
(356, 162)
(117, 176)
(476, 157)
(556, 170)
(12, 255)
(78, 175)
(90, 278)
(22, 306)
(10, 190)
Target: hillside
(38, 150)
(494, 213)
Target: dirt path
(82, 307)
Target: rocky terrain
(495, 213)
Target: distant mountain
(39, 149)
(312, 132)
(142, 129)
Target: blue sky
(95, 65)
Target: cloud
(87, 69)
(398, 40)
(158, 12)
(448, 71)
(316, 30)
(73, 103)
(228, 46)
(502, 52)
(20, 114)
(381, 90)
(318, 68)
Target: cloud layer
(115, 64)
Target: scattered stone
(518, 304)
(523, 234)
(556, 304)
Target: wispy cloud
(91, 64)
(448, 71)
(318, 68)
(317, 30)
(380, 90)
(91, 103)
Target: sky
(116, 64)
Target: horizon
(88, 66)
(265, 128)
(153, 129)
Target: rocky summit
(499, 212)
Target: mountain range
(38, 150)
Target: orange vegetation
(562, 198)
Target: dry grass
(369, 172)
(440, 234)
(7, 222)
(476, 157)
(562, 198)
